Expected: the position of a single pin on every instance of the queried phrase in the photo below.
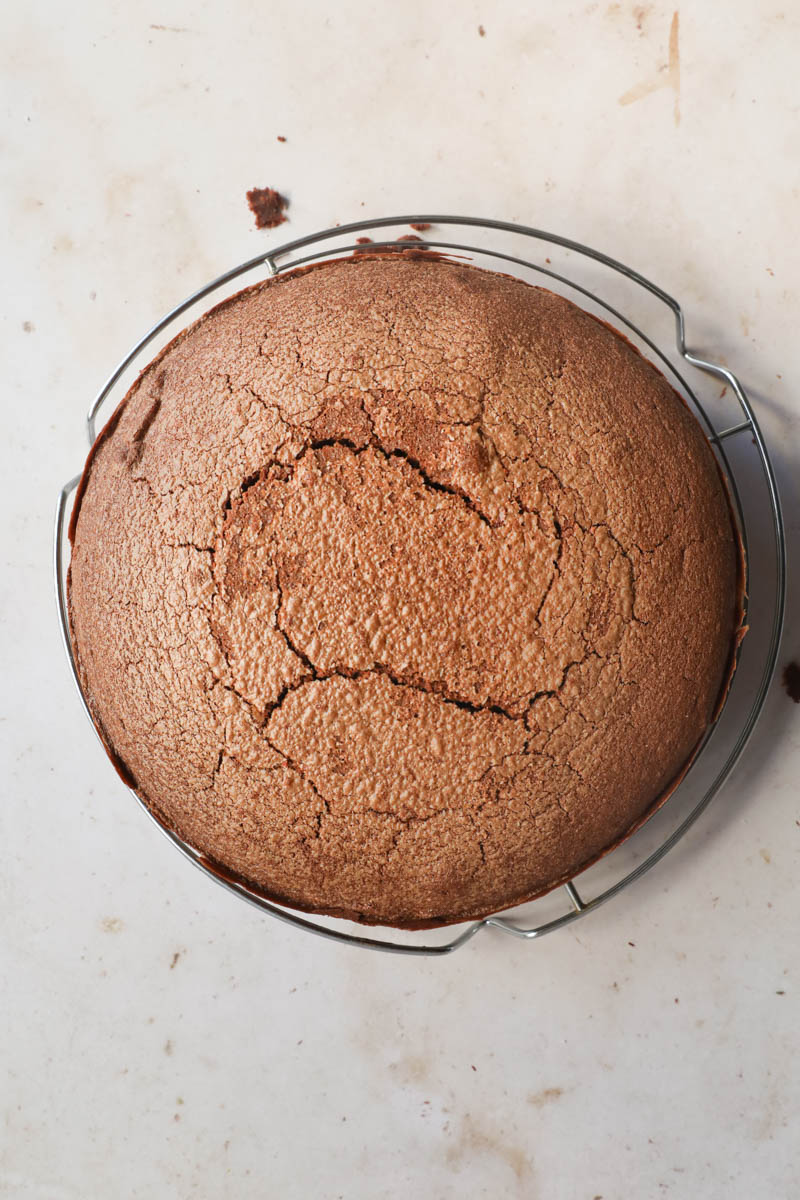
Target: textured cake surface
(402, 590)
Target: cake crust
(402, 590)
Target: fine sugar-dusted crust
(402, 590)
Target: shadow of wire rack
(654, 322)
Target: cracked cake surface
(402, 590)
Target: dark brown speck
(791, 681)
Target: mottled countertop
(159, 1037)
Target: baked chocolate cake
(402, 590)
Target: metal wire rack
(612, 290)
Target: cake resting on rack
(402, 590)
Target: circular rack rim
(578, 907)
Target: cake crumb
(28, 326)
(363, 241)
(791, 681)
(409, 237)
(281, 138)
(267, 206)
(420, 226)
(481, 31)
(175, 958)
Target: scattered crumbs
(168, 1047)
(409, 237)
(420, 226)
(176, 1116)
(474, 1067)
(267, 206)
(724, 390)
(481, 31)
(294, 989)
(171, 28)
(179, 1100)
(765, 854)
(615, 986)
(300, 1042)
(175, 958)
(111, 925)
(28, 326)
(779, 377)
(281, 138)
(92, 295)
(547, 260)
(677, 1001)
(632, 944)
(770, 271)
(362, 241)
(780, 992)
(791, 681)
(344, 1118)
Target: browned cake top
(402, 590)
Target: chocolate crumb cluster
(267, 206)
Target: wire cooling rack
(654, 322)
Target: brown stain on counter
(413, 1069)
(669, 75)
(474, 1138)
(545, 1096)
(640, 15)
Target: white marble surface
(160, 1038)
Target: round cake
(402, 590)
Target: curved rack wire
(288, 257)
